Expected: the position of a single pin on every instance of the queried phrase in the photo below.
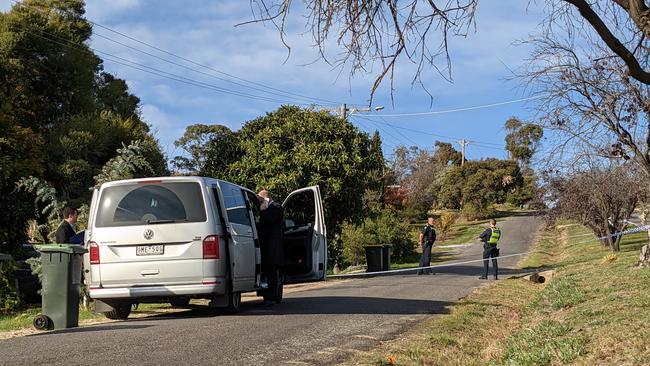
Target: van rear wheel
(234, 303)
(119, 312)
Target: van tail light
(94, 253)
(211, 247)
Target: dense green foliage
(9, 300)
(62, 118)
(477, 185)
(293, 148)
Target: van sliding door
(242, 250)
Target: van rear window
(149, 204)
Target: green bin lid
(5, 257)
(61, 248)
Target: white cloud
(100, 10)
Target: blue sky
(204, 32)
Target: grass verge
(593, 311)
(23, 319)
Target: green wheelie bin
(61, 264)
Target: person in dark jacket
(490, 238)
(271, 245)
(427, 238)
(65, 232)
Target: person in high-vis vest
(490, 238)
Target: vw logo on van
(148, 234)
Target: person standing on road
(65, 232)
(490, 238)
(271, 236)
(427, 238)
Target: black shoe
(482, 278)
(267, 303)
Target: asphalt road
(319, 326)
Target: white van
(175, 238)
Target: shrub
(354, 238)
(386, 228)
(9, 300)
(390, 229)
(446, 221)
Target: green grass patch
(23, 318)
(549, 342)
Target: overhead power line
(253, 85)
(442, 137)
(307, 100)
(158, 72)
(463, 109)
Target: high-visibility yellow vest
(496, 235)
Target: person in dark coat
(271, 244)
(427, 238)
(65, 232)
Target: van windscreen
(148, 204)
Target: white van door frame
(318, 241)
(241, 242)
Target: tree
(477, 185)
(416, 170)
(592, 105)
(292, 148)
(446, 155)
(196, 141)
(522, 140)
(601, 198)
(368, 31)
(61, 117)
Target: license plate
(150, 249)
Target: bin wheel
(42, 322)
(119, 312)
(234, 303)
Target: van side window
(236, 209)
(300, 209)
(255, 207)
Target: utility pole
(343, 110)
(462, 143)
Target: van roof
(158, 179)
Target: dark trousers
(425, 260)
(273, 279)
(490, 252)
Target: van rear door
(305, 236)
(151, 232)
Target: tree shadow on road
(351, 305)
(320, 305)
